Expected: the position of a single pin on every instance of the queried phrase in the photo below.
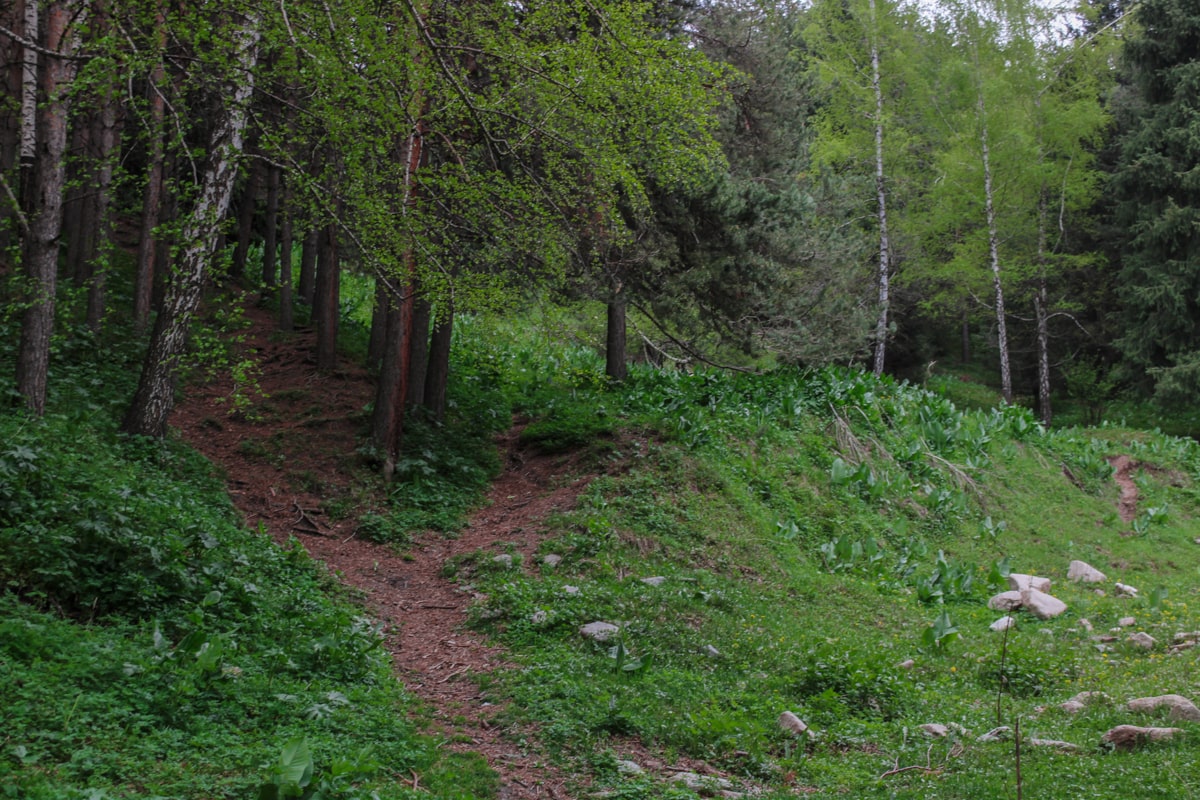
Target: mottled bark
(29, 101)
(377, 341)
(39, 258)
(1006, 388)
(285, 261)
(155, 393)
(1041, 314)
(108, 143)
(143, 285)
(12, 17)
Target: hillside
(814, 542)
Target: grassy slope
(732, 487)
(150, 645)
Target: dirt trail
(283, 467)
(1123, 467)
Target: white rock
(1087, 626)
(996, 734)
(699, 783)
(1072, 706)
(1057, 744)
(551, 560)
(629, 768)
(1003, 624)
(1042, 605)
(599, 631)
(1019, 583)
(568, 589)
(906, 664)
(1143, 640)
(793, 724)
(538, 617)
(1187, 636)
(657, 580)
(1129, 737)
(711, 651)
(1125, 590)
(1125, 622)
(936, 730)
(1180, 708)
(1082, 571)
(1005, 601)
(504, 560)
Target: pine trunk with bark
(246, 208)
(307, 289)
(155, 394)
(418, 363)
(143, 283)
(616, 357)
(387, 423)
(325, 302)
(39, 258)
(108, 141)
(270, 229)
(437, 376)
(285, 261)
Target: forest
(347, 340)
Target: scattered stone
(504, 560)
(1046, 631)
(1019, 583)
(599, 631)
(1084, 572)
(1187, 636)
(1057, 744)
(539, 617)
(702, 784)
(1180, 708)
(1085, 624)
(1072, 706)
(552, 560)
(657, 580)
(1099, 593)
(629, 768)
(1082, 700)
(1125, 590)
(1005, 601)
(1179, 648)
(935, 730)
(906, 664)
(997, 734)
(1042, 605)
(1126, 622)
(1130, 737)
(1003, 624)
(1142, 640)
(568, 589)
(711, 651)
(1107, 639)
(793, 724)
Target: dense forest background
(998, 183)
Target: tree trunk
(308, 266)
(616, 362)
(418, 363)
(109, 154)
(11, 53)
(143, 285)
(29, 101)
(155, 393)
(964, 332)
(39, 258)
(79, 206)
(437, 376)
(881, 325)
(1006, 389)
(269, 268)
(377, 342)
(246, 209)
(325, 304)
(1040, 302)
(285, 261)
(387, 423)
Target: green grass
(812, 527)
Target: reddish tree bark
(270, 228)
(325, 303)
(308, 266)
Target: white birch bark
(881, 326)
(994, 254)
(29, 79)
(155, 394)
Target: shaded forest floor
(289, 461)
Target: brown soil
(283, 468)
(1123, 468)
